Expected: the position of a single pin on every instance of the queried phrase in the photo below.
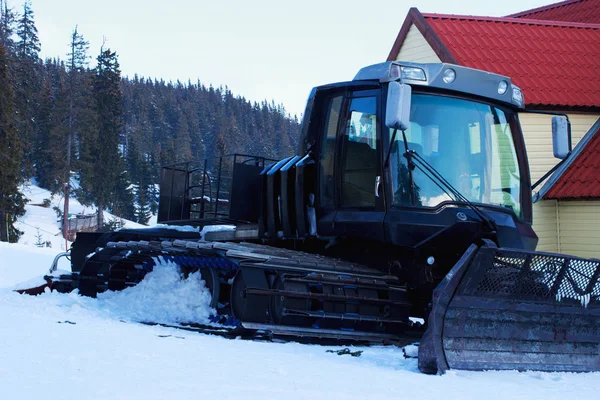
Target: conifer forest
(75, 118)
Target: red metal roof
(580, 179)
(555, 63)
(570, 10)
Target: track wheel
(211, 281)
(279, 304)
(238, 295)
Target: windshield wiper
(415, 160)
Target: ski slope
(65, 346)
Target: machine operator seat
(359, 164)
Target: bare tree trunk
(100, 215)
(69, 146)
(66, 216)
(3, 226)
(68, 170)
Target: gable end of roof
(414, 17)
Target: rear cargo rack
(215, 189)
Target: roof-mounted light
(517, 96)
(502, 86)
(449, 75)
(404, 72)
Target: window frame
(342, 131)
(520, 152)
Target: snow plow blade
(507, 309)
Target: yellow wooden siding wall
(545, 225)
(579, 228)
(416, 49)
(568, 227)
(537, 129)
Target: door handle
(377, 183)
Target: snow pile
(411, 351)
(163, 296)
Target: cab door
(351, 192)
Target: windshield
(470, 144)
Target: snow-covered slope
(42, 220)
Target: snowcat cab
(410, 196)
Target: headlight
(449, 75)
(502, 86)
(413, 73)
(517, 96)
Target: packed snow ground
(64, 346)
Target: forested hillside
(75, 116)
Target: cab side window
(327, 155)
(359, 154)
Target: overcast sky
(260, 49)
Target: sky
(259, 49)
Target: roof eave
(555, 177)
(542, 8)
(565, 108)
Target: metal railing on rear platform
(211, 188)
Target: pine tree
(28, 45)
(76, 92)
(38, 238)
(7, 27)
(102, 162)
(51, 129)
(182, 142)
(123, 202)
(27, 80)
(12, 202)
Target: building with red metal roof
(586, 11)
(554, 63)
(552, 53)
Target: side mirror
(560, 137)
(397, 112)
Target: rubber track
(246, 254)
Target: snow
(216, 228)
(179, 300)
(182, 228)
(65, 346)
(201, 233)
(15, 269)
